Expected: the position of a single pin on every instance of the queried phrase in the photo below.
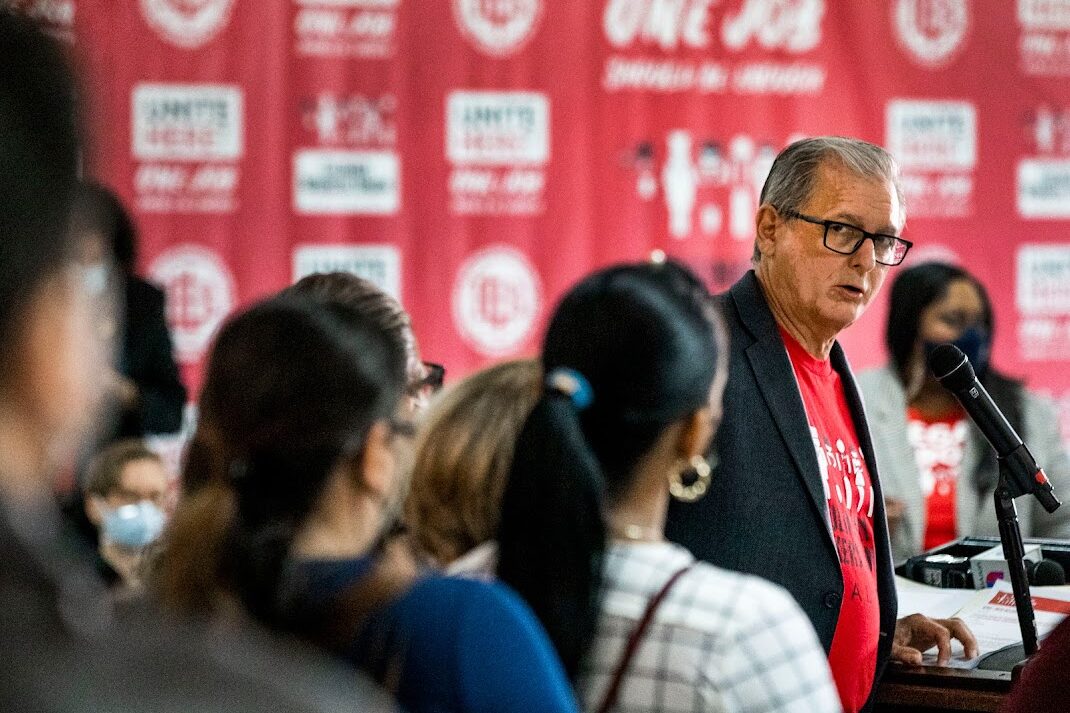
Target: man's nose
(866, 255)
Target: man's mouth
(853, 290)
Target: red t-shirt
(938, 445)
(849, 496)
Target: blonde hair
(463, 455)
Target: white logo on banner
(497, 128)
(1043, 279)
(645, 32)
(353, 121)
(200, 294)
(1044, 45)
(498, 27)
(1044, 188)
(932, 31)
(935, 143)
(380, 264)
(932, 134)
(347, 182)
(723, 185)
(187, 23)
(791, 25)
(187, 122)
(346, 28)
(496, 300)
(1051, 15)
(498, 143)
(1042, 296)
(679, 181)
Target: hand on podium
(917, 633)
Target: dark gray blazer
(765, 512)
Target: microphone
(953, 370)
(1045, 573)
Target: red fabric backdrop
(476, 157)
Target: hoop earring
(703, 474)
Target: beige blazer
(886, 411)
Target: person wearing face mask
(293, 481)
(125, 491)
(937, 469)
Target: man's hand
(917, 633)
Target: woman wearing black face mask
(937, 470)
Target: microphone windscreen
(951, 367)
(1048, 573)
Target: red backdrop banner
(476, 157)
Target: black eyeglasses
(436, 376)
(846, 239)
(429, 384)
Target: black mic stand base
(1010, 658)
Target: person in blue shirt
(293, 481)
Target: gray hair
(794, 172)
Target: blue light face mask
(135, 525)
(975, 342)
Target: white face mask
(95, 278)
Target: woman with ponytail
(635, 369)
(291, 484)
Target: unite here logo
(935, 143)
(187, 139)
(498, 144)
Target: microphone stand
(1010, 535)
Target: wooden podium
(923, 689)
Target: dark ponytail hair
(291, 389)
(915, 289)
(643, 336)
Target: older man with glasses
(796, 498)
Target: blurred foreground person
(635, 372)
(463, 454)
(937, 469)
(126, 488)
(144, 391)
(293, 482)
(60, 648)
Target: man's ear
(765, 224)
(377, 462)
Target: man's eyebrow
(856, 221)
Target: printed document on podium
(993, 619)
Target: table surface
(931, 688)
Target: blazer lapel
(776, 382)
